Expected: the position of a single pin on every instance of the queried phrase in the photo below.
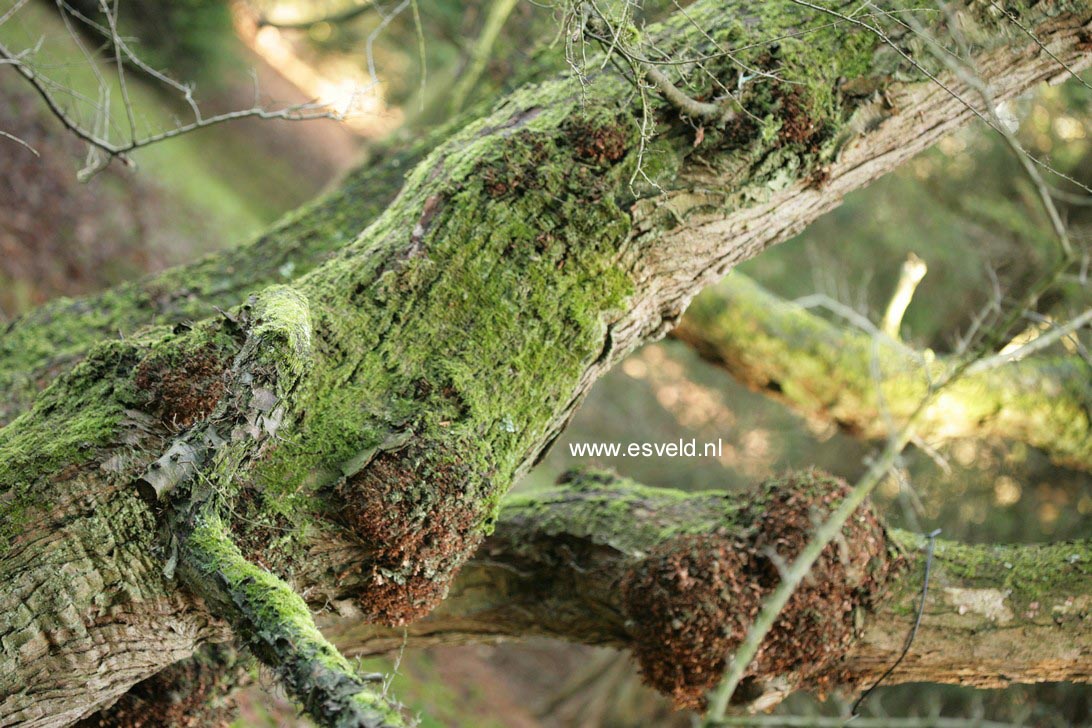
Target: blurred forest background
(964, 208)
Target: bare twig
(911, 274)
(19, 141)
(12, 11)
(102, 146)
(913, 630)
(341, 16)
(798, 571)
(688, 106)
(498, 14)
(386, 20)
(1037, 344)
(1016, 21)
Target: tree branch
(277, 625)
(563, 563)
(824, 372)
(996, 615)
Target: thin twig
(1016, 21)
(20, 142)
(333, 18)
(913, 630)
(101, 147)
(1037, 344)
(499, 10)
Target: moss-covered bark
(40, 346)
(559, 561)
(277, 625)
(673, 576)
(410, 378)
(825, 372)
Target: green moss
(826, 370)
(70, 423)
(277, 624)
(1035, 578)
(417, 339)
(466, 315)
(608, 509)
(51, 339)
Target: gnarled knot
(691, 601)
(419, 511)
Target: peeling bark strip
(463, 350)
(825, 372)
(559, 562)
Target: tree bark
(559, 563)
(392, 394)
(825, 372)
(995, 615)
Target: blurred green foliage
(191, 40)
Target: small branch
(499, 11)
(1042, 46)
(333, 18)
(912, 272)
(16, 7)
(20, 142)
(1036, 344)
(553, 566)
(690, 107)
(298, 112)
(277, 625)
(792, 577)
(1039, 400)
(718, 113)
(101, 148)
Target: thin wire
(913, 630)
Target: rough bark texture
(194, 693)
(409, 379)
(574, 562)
(559, 562)
(825, 372)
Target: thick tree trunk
(392, 394)
(826, 372)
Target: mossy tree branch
(568, 563)
(276, 623)
(825, 372)
(38, 347)
(560, 559)
(389, 397)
